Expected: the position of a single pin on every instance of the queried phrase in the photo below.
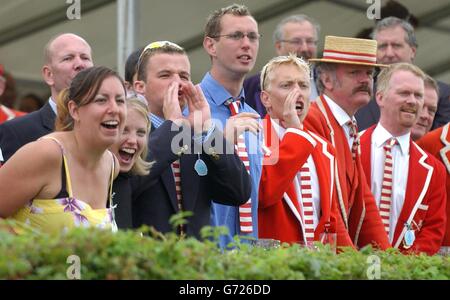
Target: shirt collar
(156, 121)
(52, 105)
(278, 129)
(217, 93)
(381, 135)
(340, 115)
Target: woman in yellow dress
(64, 179)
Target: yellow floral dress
(66, 212)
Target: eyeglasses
(239, 35)
(298, 42)
(153, 46)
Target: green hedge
(128, 255)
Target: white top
(400, 161)
(314, 180)
(341, 117)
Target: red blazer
(424, 199)
(279, 214)
(437, 143)
(356, 203)
(7, 114)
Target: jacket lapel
(366, 152)
(419, 177)
(289, 196)
(324, 162)
(445, 151)
(323, 107)
(48, 117)
(189, 181)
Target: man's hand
(239, 123)
(171, 105)
(199, 113)
(290, 117)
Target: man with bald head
(64, 56)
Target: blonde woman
(131, 151)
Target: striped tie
(386, 187)
(354, 136)
(177, 177)
(306, 192)
(245, 210)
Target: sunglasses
(153, 46)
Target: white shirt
(314, 180)
(400, 160)
(341, 117)
(52, 105)
(1, 156)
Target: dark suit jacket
(252, 90)
(227, 182)
(442, 116)
(370, 114)
(23, 130)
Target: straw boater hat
(343, 50)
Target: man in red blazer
(345, 82)
(410, 188)
(291, 208)
(437, 143)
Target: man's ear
(265, 100)
(139, 87)
(47, 74)
(278, 47)
(210, 46)
(327, 80)
(413, 56)
(379, 97)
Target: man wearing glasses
(296, 34)
(232, 40)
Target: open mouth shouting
(126, 155)
(299, 106)
(111, 126)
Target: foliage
(129, 255)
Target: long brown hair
(82, 91)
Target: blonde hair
(281, 60)
(141, 166)
(385, 75)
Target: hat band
(349, 56)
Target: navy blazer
(370, 114)
(227, 182)
(20, 131)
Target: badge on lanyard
(410, 236)
(200, 167)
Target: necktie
(386, 186)
(307, 203)
(245, 210)
(177, 177)
(354, 136)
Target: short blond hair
(385, 75)
(282, 60)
